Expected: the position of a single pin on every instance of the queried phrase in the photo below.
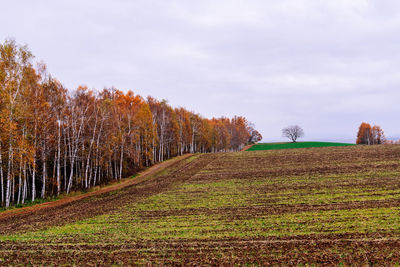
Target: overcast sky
(324, 65)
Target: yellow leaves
(95, 129)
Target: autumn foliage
(53, 140)
(370, 135)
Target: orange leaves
(370, 135)
(378, 135)
(79, 139)
(364, 134)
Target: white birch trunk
(58, 159)
(1, 176)
(10, 158)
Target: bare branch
(293, 132)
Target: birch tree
(53, 140)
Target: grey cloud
(327, 65)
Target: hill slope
(275, 146)
(326, 205)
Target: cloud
(327, 65)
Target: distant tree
(378, 137)
(368, 135)
(293, 132)
(255, 136)
(391, 142)
(364, 135)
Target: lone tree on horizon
(293, 132)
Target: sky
(324, 65)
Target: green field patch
(120, 227)
(275, 146)
(334, 196)
(239, 193)
(197, 199)
(324, 179)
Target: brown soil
(126, 182)
(74, 208)
(372, 249)
(381, 166)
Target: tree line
(55, 141)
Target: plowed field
(336, 205)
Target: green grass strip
(275, 146)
